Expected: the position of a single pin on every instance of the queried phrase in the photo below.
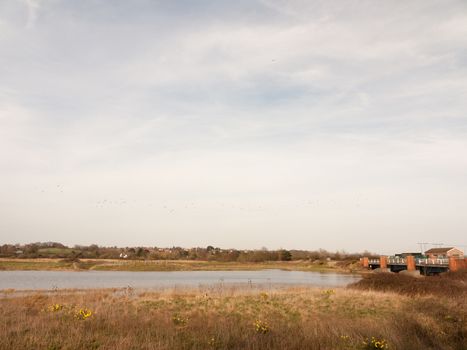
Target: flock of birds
(192, 205)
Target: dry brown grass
(450, 285)
(224, 318)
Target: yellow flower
(261, 327)
(83, 314)
(375, 343)
(55, 307)
(328, 292)
(213, 342)
(179, 320)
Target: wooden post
(410, 263)
(365, 262)
(383, 262)
(452, 264)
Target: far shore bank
(50, 264)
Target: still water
(27, 280)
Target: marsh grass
(449, 285)
(229, 318)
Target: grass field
(227, 318)
(165, 265)
(35, 264)
(55, 251)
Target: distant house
(447, 252)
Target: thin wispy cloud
(356, 107)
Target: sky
(244, 124)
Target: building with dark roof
(447, 252)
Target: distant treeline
(210, 253)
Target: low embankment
(450, 285)
(172, 265)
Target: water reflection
(26, 280)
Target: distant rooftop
(439, 250)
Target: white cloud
(262, 104)
(32, 8)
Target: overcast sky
(240, 124)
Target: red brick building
(436, 253)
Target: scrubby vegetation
(56, 256)
(451, 284)
(356, 317)
(210, 253)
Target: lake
(35, 280)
